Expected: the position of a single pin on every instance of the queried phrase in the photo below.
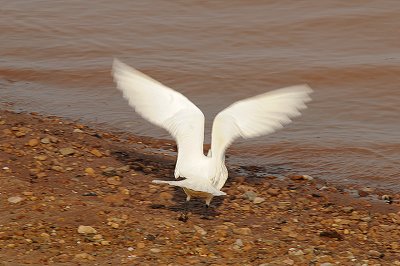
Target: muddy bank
(76, 195)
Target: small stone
(362, 193)
(117, 199)
(53, 139)
(105, 243)
(200, 230)
(45, 140)
(124, 169)
(14, 200)
(295, 252)
(27, 193)
(288, 262)
(33, 142)
(258, 200)
(97, 237)
(348, 209)
(124, 191)
(327, 264)
(77, 130)
(114, 180)
(242, 231)
(166, 196)
(67, 151)
(155, 250)
(96, 153)
(250, 195)
(239, 242)
(109, 171)
(331, 234)
(140, 245)
(273, 191)
(300, 177)
(20, 134)
(84, 229)
(375, 254)
(84, 256)
(90, 171)
(57, 168)
(45, 236)
(113, 225)
(41, 157)
(239, 179)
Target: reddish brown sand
(56, 176)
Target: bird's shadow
(162, 167)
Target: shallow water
(56, 59)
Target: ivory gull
(204, 176)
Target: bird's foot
(183, 217)
(207, 215)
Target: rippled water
(56, 58)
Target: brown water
(55, 58)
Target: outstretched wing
(256, 116)
(162, 106)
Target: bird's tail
(193, 185)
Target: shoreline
(57, 175)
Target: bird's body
(204, 176)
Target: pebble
(109, 171)
(98, 237)
(165, 196)
(84, 256)
(15, 199)
(114, 180)
(67, 151)
(85, 229)
(45, 140)
(250, 195)
(375, 254)
(41, 157)
(96, 153)
(33, 142)
(295, 252)
(117, 199)
(273, 191)
(90, 171)
(348, 209)
(200, 230)
(105, 243)
(155, 250)
(258, 200)
(140, 245)
(301, 177)
(239, 242)
(20, 134)
(288, 262)
(242, 231)
(113, 225)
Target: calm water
(55, 58)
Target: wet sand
(74, 195)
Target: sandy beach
(74, 195)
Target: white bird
(204, 176)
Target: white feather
(164, 107)
(253, 117)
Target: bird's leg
(184, 215)
(206, 215)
